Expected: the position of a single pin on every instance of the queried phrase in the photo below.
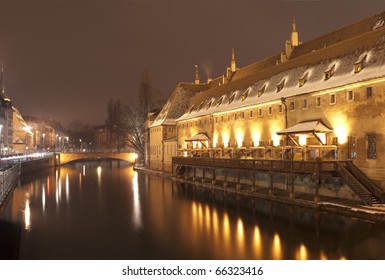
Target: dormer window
(200, 106)
(244, 95)
(261, 90)
(209, 104)
(219, 102)
(280, 85)
(303, 80)
(359, 65)
(329, 73)
(191, 109)
(231, 98)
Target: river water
(105, 210)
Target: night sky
(65, 58)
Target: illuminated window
(329, 73)
(244, 95)
(303, 80)
(221, 118)
(242, 115)
(261, 90)
(304, 104)
(371, 146)
(350, 95)
(251, 114)
(318, 102)
(280, 85)
(352, 153)
(333, 98)
(369, 92)
(280, 108)
(359, 65)
(270, 110)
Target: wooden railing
(354, 184)
(277, 166)
(366, 182)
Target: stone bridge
(64, 158)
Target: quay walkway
(333, 205)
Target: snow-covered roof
(177, 104)
(306, 127)
(198, 137)
(339, 57)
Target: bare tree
(135, 128)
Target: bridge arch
(64, 158)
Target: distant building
(318, 100)
(22, 134)
(101, 138)
(6, 119)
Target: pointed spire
(197, 80)
(2, 86)
(294, 34)
(293, 25)
(233, 63)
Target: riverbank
(338, 206)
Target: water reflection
(301, 253)
(136, 199)
(27, 213)
(257, 242)
(276, 250)
(43, 197)
(112, 212)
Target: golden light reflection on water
(301, 253)
(43, 198)
(240, 239)
(136, 203)
(257, 243)
(277, 249)
(99, 173)
(27, 213)
(200, 217)
(207, 219)
(226, 234)
(67, 188)
(323, 256)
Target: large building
(318, 100)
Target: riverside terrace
(322, 178)
(219, 177)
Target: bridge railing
(8, 177)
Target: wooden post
(203, 174)
(253, 185)
(292, 193)
(318, 181)
(224, 178)
(271, 183)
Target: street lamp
(43, 141)
(80, 140)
